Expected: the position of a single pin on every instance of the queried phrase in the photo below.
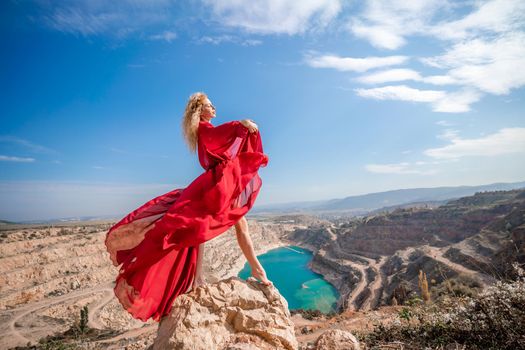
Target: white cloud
(457, 102)
(496, 16)
(390, 75)
(167, 35)
(491, 65)
(398, 168)
(31, 146)
(115, 19)
(486, 52)
(386, 23)
(439, 80)
(16, 159)
(448, 134)
(442, 101)
(402, 74)
(353, 63)
(146, 18)
(484, 40)
(275, 16)
(74, 20)
(216, 40)
(402, 93)
(444, 123)
(505, 141)
(378, 36)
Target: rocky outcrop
(337, 339)
(312, 236)
(229, 314)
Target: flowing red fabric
(157, 243)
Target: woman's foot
(260, 274)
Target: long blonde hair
(191, 118)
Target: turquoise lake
(302, 288)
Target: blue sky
(350, 97)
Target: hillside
(49, 273)
(362, 204)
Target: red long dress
(157, 243)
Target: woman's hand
(252, 127)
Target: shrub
(83, 319)
(495, 319)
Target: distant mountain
(365, 203)
(71, 219)
(352, 205)
(5, 222)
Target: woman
(160, 244)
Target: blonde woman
(161, 244)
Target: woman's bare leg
(199, 278)
(245, 242)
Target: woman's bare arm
(252, 127)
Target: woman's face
(207, 111)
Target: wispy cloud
(31, 146)
(457, 101)
(444, 123)
(493, 16)
(401, 92)
(388, 76)
(356, 64)
(486, 42)
(399, 168)
(113, 19)
(275, 16)
(126, 17)
(167, 36)
(505, 141)
(477, 63)
(386, 24)
(448, 134)
(481, 39)
(16, 159)
(402, 74)
(216, 40)
(441, 101)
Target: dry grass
(494, 319)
